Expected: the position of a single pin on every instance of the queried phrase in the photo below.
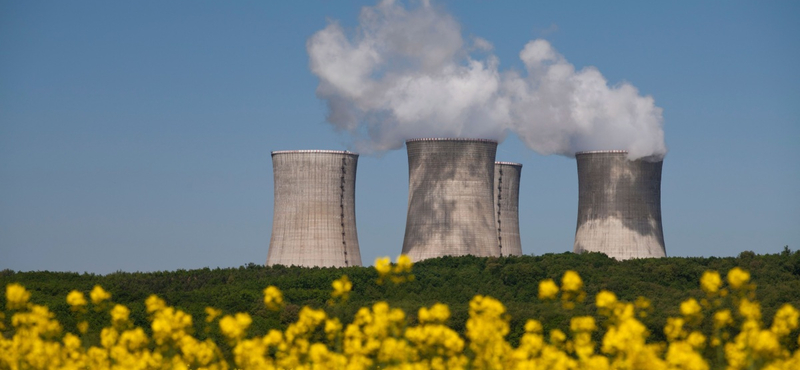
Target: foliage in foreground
(724, 328)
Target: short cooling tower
(314, 220)
(619, 205)
(450, 199)
(506, 207)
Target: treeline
(514, 281)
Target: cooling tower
(506, 207)
(619, 205)
(314, 221)
(450, 200)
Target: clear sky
(136, 136)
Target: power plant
(619, 205)
(460, 202)
(506, 207)
(450, 198)
(314, 219)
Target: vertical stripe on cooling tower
(341, 205)
(499, 197)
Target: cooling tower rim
(451, 139)
(602, 152)
(515, 164)
(314, 151)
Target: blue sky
(136, 136)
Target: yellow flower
(533, 326)
(750, 310)
(710, 282)
(674, 328)
(273, 298)
(154, 304)
(120, 314)
(98, 294)
(83, 327)
(108, 337)
(571, 282)
(582, 323)
(71, 341)
(234, 327)
(333, 327)
(76, 300)
(212, 313)
(722, 319)
(438, 313)
(557, 336)
(384, 267)
(690, 307)
(16, 296)
(738, 277)
(696, 339)
(404, 264)
(342, 287)
(786, 320)
(547, 289)
(606, 299)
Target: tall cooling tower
(506, 207)
(314, 221)
(450, 199)
(619, 205)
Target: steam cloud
(409, 73)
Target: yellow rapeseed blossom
(383, 265)
(381, 337)
(738, 277)
(83, 327)
(120, 314)
(212, 314)
(533, 326)
(786, 320)
(582, 323)
(16, 296)
(438, 313)
(548, 289)
(98, 295)
(690, 307)
(76, 300)
(674, 328)
(404, 264)
(606, 299)
(342, 287)
(710, 282)
(571, 282)
(234, 327)
(750, 310)
(722, 318)
(696, 339)
(154, 304)
(273, 298)
(402, 270)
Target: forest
(514, 281)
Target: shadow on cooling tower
(450, 210)
(619, 205)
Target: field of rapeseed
(724, 328)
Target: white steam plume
(410, 73)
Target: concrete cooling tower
(450, 199)
(619, 205)
(314, 220)
(506, 207)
